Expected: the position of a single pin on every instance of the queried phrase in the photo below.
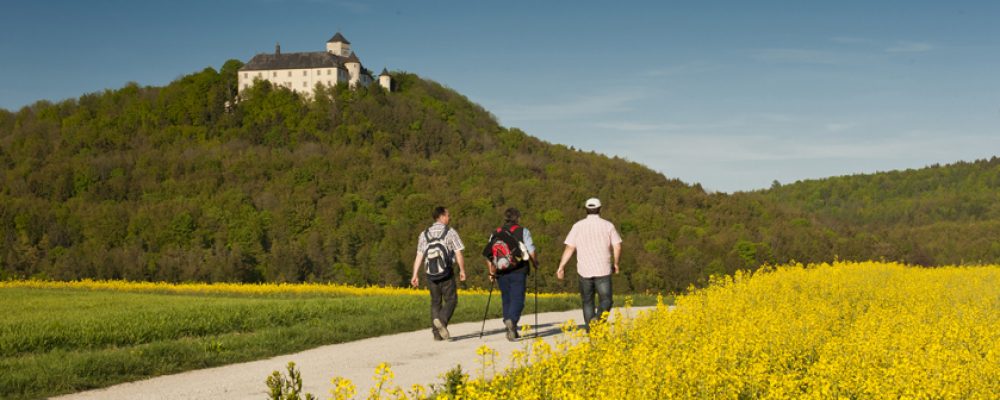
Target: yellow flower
(841, 330)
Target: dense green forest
(185, 183)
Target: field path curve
(414, 357)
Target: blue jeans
(512, 288)
(602, 284)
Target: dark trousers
(444, 298)
(602, 285)
(512, 288)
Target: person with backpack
(438, 249)
(509, 254)
(597, 244)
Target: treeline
(931, 216)
(185, 183)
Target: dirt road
(414, 357)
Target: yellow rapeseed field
(843, 331)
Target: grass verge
(55, 341)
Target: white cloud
(355, 7)
(839, 126)
(583, 106)
(836, 57)
(738, 122)
(745, 152)
(731, 148)
(909, 47)
(628, 126)
(849, 40)
(803, 56)
(681, 69)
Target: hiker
(508, 253)
(595, 240)
(438, 248)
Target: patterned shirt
(593, 237)
(452, 242)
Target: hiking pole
(487, 309)
(536, 300)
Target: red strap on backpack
(512, 228)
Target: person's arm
(421, 251)
(457, 246)
(493, 270)
(415, 280)
(530, 245)
(616, 246)
(617, 250)
(567, 253)
(461, 265)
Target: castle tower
(338, 45)
(353, 65)
(385, 80)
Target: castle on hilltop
(301, 72)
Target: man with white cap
(595, 241)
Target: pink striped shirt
(593, 237)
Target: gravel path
(414, 357)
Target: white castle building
(301, 72)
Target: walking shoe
(442, 330)
(511, 332)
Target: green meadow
(56, 341)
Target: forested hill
(960, 192)
(182, 183)
(930, 216)
(166, 183)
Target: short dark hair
(592, 211)
(438, 212)
(512, 216)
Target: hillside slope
(941, 214)
(170, 183)
(150, 183)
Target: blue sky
(732, 95)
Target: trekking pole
(536, 300)
(487, 309)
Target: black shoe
(441, 329)
(511, 331)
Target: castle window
(245, 75)
(289, 74)
(328, 72)
(304, 84)
(274, 74)
(305, 73)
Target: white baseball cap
(593, 202)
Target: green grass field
(55, 341)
